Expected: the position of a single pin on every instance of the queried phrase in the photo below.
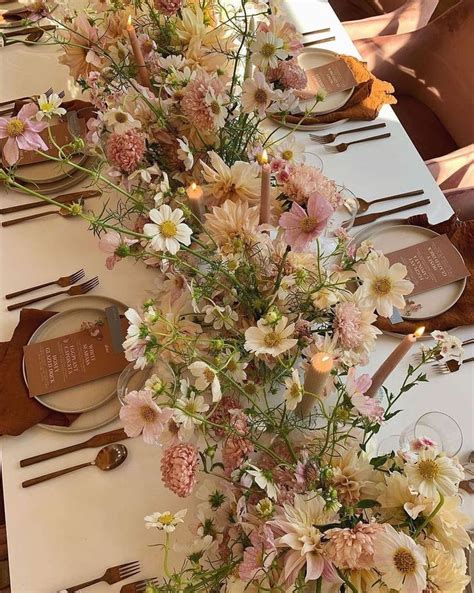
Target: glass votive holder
(439, 427)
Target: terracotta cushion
(347, 11)
(424, 128)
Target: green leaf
(367, 503)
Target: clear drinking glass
(344, 216)
(131, 379)
(388, 444)
(438, 427)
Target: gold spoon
(61, 212)
(107, 458)
(364, 205)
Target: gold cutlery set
(318, 41)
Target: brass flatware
(63, 281)
(467, 486)
(418, 357)
(99, 440)
(450, 366)
(343, 146)
(138, 586)
(364, 205)
(108, 458)
(61, 211)
(325, 30)
(83, 288)
(327, 138)
(111, 576)
(62, 199)
(28, 30)
(366, 218)
(30, 39)
(318, 41)
(31, 97)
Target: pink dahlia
(168, 7)
(194, 104)
(347, 323)
(303, 226)
(365, 405)
(305, 180)
(179, 468)
(140, 414)
(125, 151)
(353, 548)
(22, 132)
(291, 75)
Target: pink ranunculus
(125, 151)
(22, 133)
(303, 226)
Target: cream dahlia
(239, 182)
(269, 339)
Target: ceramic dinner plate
(391, 235)
(96, 401)
(67, 181)
(49, 171)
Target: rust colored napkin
(461, 234)
(365, 103)
(17, 410)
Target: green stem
(430, 516)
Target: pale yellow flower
(432, 473)
(445, 575)
(269, 339)
(241, 181)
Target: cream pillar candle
(388, 366)
(143, 76)
(195, 195)
(316, 378)
(265, 192)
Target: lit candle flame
(193, 185)
(264, 157)
(129, 22)
(419, 332)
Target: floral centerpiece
(258, 325)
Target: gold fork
(138, 586)
(327, 138)
(110, 576)
(63, 281)
(73, 291)
(450, 366)
(343, 146)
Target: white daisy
(120, 121)
(400, 560)
(451, 346)
(294, 391)
(269, 339)
(164, 190)
(383, 286)
(432, 473)
(206, 376)
(264, 480)
(257, 94)
(168, 231)
(49, 106)
(217, 108)
(166, 521)
(236, 369)
(267, 49)
(291, 150)
(192, 404)
(220, 317)
(184, 153)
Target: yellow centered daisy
(295, 391)
(209, 374)
(308, 224)
(148, 414)
(46, 107)
(268, 50)
(168, 229)
(166, 518)
(404, 561)
(428, 469)
(382, 286)
(15, 127)
(287, 155)
(272, 339)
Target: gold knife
(366, 218)
(62, 199)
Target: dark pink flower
(303, 226)
(179, 466)
(168, 7)
(125, 151)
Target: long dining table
(71, 529)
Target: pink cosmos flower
(301, 226)
(353, 548)
(365, 405)
(22, 132)
(258, 557)
(116, 246)
(125, 151)
(179, 466)
(140, 414)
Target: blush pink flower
(179, 466)
(353, 549)
(258, 557)
(141, 415)
(80, 50)
(365, 405)
(194, 104)
(305, 180)
(303, 226)
(168, 7)
(22, 133)
(236, 447)
(125, 151)
(222, 414)
(115, 246)
(290, 74)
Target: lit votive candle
(315, 381)
(195, 198)
(265, 192)
(389, 365)
(143, 76)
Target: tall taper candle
(315, 381)
(248, 61)
(143, 76)
(389, 365)
(196, 204)
(265, 191)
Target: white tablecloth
(69, 530)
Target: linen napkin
(18, 411)
(365, 103)
(461, 234)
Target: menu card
(331, 78)
(431, 264)
(73, 359)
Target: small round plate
(66, 182)
(89, 420)
(49, 171)
(389, 236)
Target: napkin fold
(461, 234)
(364, 104)
(18, 411)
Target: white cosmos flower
(184, 153)
(163, 190)
(451, 346)
(291, 150)
(217, 108)
(433, 473)
(264, 480)
(293, 391)
(383, 286)
(49, 106)
(120, 121)
(206, 376)
(166, 521)
(268, 339)
(193, 404)
(220, 316)
(400, 560)
(168, 231)
(257, 94)
(267, 49)
(236, 369)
